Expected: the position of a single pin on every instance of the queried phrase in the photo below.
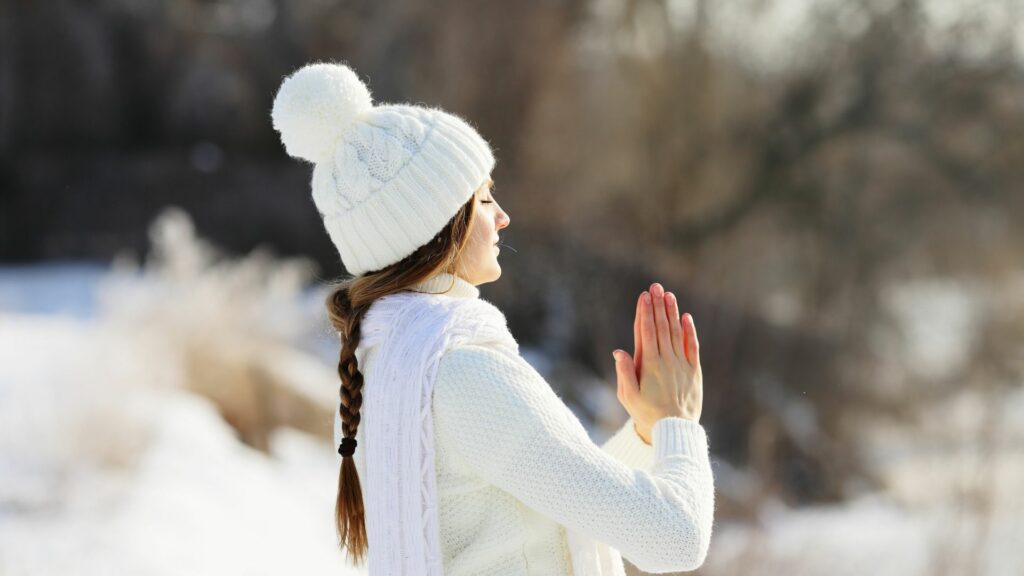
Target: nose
(503, 220)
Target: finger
(675, 325)
(626, 376)
(693, 346)
(637, 339)
(618, 381)
(648, 331)
(687, 330)
(661, 320)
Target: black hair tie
(347, 447)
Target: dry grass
(233, 327)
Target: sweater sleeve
(629, 448)
(501, 420)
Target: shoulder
(486, 357)
(478, 370)
(474, 360)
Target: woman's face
(478, 263)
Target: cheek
(480, 233)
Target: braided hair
(347, 304)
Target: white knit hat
(387, 178)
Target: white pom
(315, 105)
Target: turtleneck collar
(439, 283)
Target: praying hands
(663, 377)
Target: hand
(665, 378)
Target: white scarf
(412, 331)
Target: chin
(492, 274)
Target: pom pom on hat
(315, 105)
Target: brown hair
(348, 302)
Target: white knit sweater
(514, 466)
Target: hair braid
(349, 508)
(347, 304)
(348, 368)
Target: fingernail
(615, 355)
(670, 297)
(647, 298)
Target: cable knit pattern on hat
(515, 467)
(371, 155)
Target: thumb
(625, 372)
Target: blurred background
(832, 188)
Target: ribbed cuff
(672, 435)
(627, 446)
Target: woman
(469, 463)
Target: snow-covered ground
(109, 465)
(952, 502)
(125, 393)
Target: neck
(449, 285)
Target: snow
(111, 463)
(865, 536)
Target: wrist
(645, 437)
